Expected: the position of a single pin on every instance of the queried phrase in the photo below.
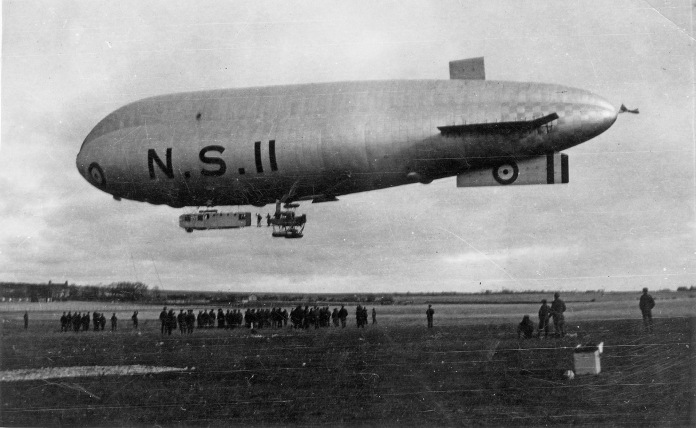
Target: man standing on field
(557, 309)
(646, 304)
(343, 315)
(544, 313)
(63, 323)
(429, 315)
(163, 320)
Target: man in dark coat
(334, 317)
(221, 318)
(429, 315)
(163, 320)
(181, 320)
(85, 322)
(646, 304)
(68, 321)
(114, 322)
(525, 328)
(63, 323)
(95, 320)
(76, 322)
(343, 315)
(171, 321)
(558, 307)
(544, 314)
(190, 321)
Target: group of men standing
(318, 317)
(546, 313)
(169, 321)
(252, 318)
(264, 318)
(361, 316)
(261, 318)
(81, 321)
(558, 307)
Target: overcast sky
(626, 220)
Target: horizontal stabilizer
(504, 127)
(549, 169)
(468, 69)
(318, 198)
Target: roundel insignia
(506, 173)
(96, 174)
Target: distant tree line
(117, 291)
(125, 291)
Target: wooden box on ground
(587, 359)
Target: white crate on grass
(587, 359)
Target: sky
(626, 220)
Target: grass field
(469, 370)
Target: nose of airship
(605, 115)
(80, 163)
(89, 168)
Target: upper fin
(468, 69)
(524, 125)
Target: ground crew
(135, 319)
(221, 316)
(114, 322)
(163, 320)
(181, 319)
(77, 322)
(211, 318)
(190, 321)
(526, 328)
(374, 316)
(429, 315)
(63, 323)
(68, 321)
(171, 322)
(85, 322)
(557, 309)
(343, 315)
(26, 320)
(359, 317)
(544, 313)
(95, 320)
(646, 304)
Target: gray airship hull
(253, 145)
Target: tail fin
(468, 69)
(623, 109)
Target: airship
(316, 142)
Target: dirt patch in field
(82, 371)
